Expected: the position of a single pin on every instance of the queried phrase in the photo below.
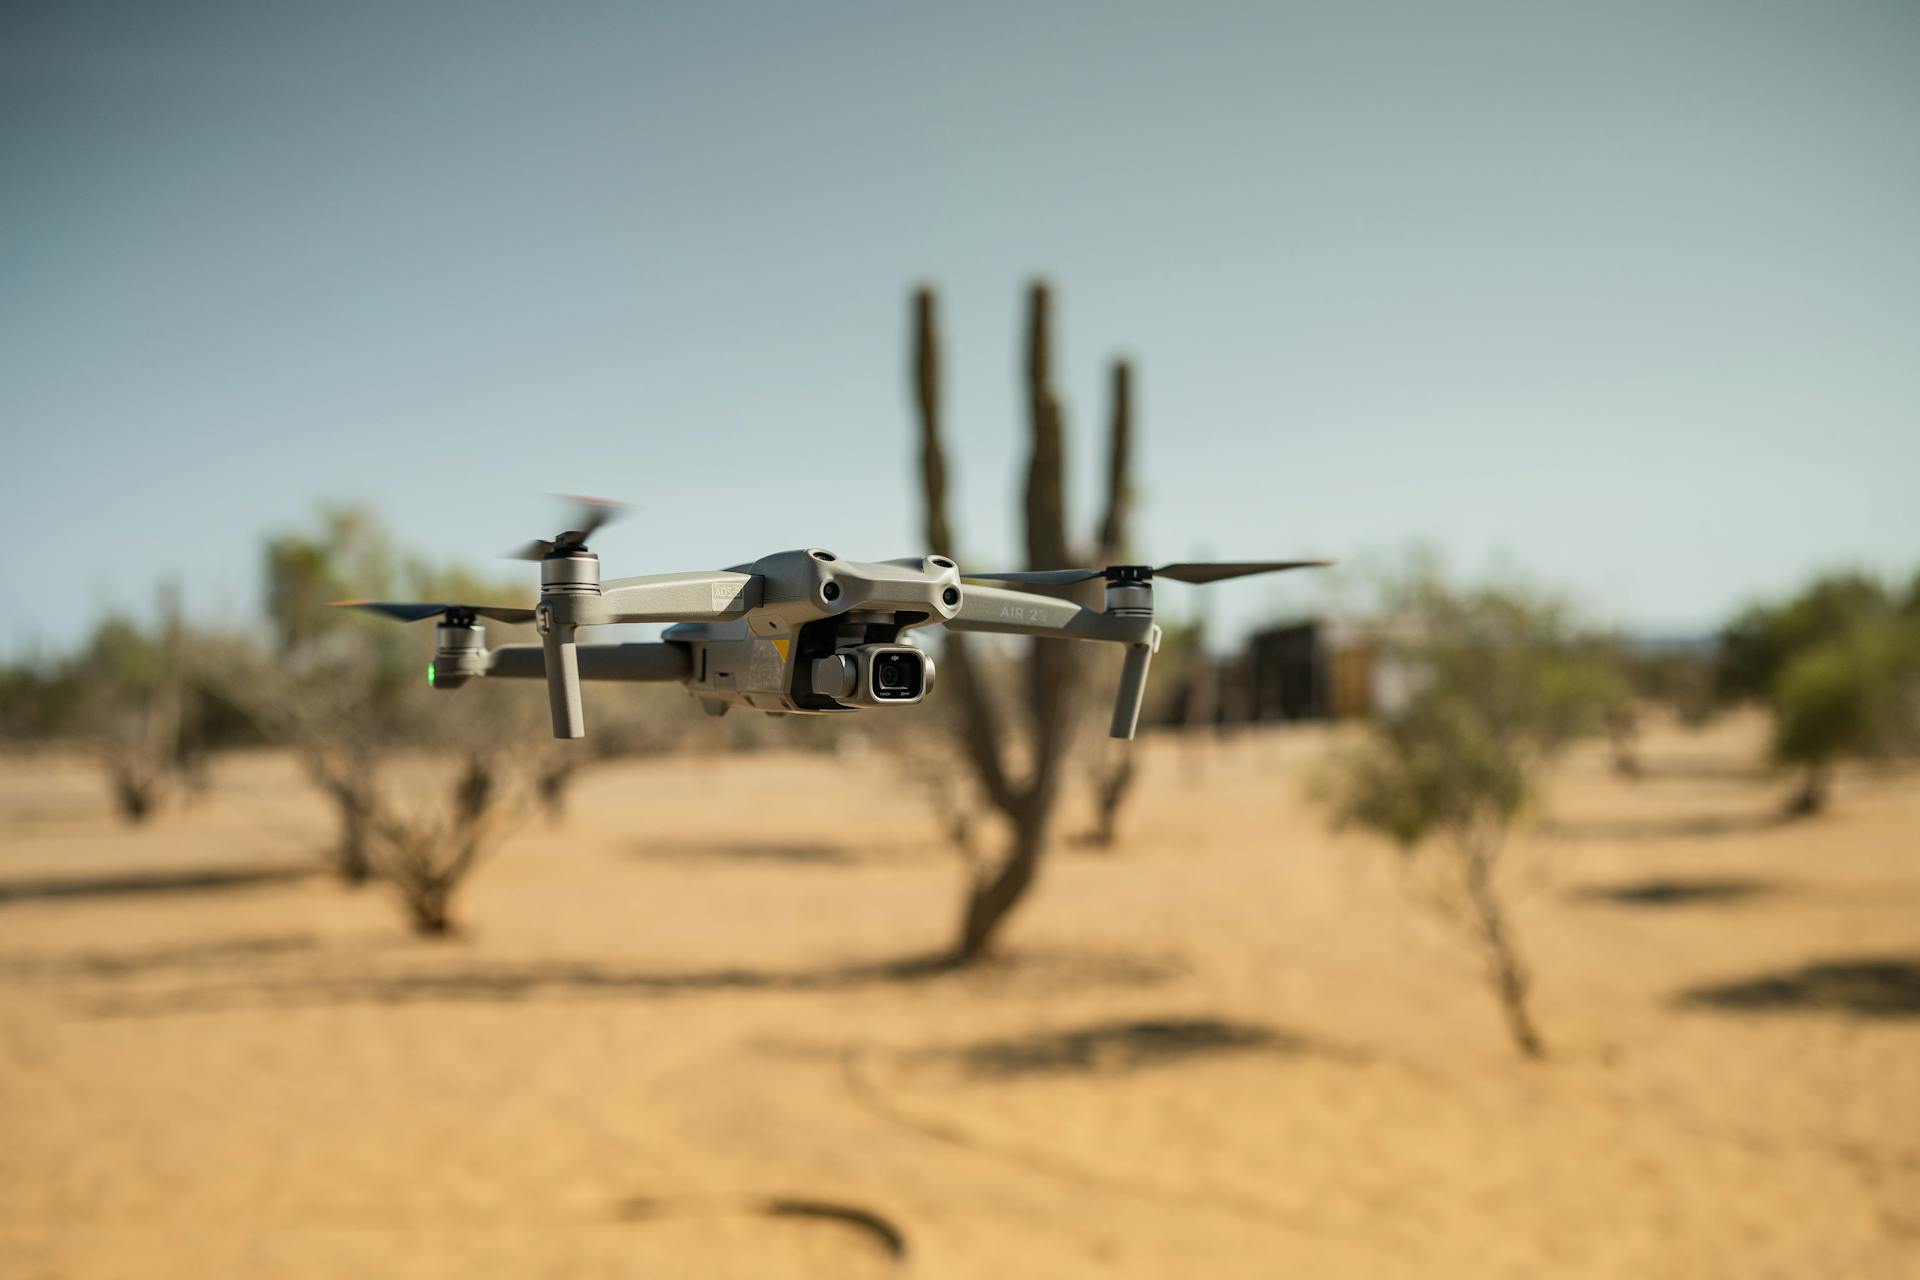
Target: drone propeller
(456, 613)
(1180, 571)
(590, 514)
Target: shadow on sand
(1706, 891)
(496, 983)
(141, 883)
(1866, 987)
(193, 955)
(1682, 827)
(1702, 769)
(1117, 1046)
(746, 850)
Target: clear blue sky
(1625, 295)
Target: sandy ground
(676, 1038)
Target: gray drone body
(794, 633)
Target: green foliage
(121, 656)
(1678, 677)
(351, 557)
(121, 672)
(1501, 683)
(1436, 767)
(363, 674)
(1857, 694)
(1838, 665)
(39, 701)
(128, 696)
(1759, 644)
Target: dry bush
(426, 852)
(1502, 686)
(424, 783)
(1839, 666)
(138, 746)
(139, 701)
(333, 725)
(346, 691)
(127, 706)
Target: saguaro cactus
(1113, 763)
(1048, 675)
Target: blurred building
(1306, 669)
(1322, 669)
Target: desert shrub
(1502, 684)
(1856, 695)
(346, 691)
(426, 852)
(137, 699)
(1676, 676)
(125, 698)
(1836, 665)
(1759, 643)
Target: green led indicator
(429, 673)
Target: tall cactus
(1049, 678)
(1113, 766)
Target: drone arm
(1024, 614)
(571, 597)
(671, 597)
(661, 663)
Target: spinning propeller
(591, 514)
(457, 614)
(1181, 571)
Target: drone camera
(899, 675)
(874, 675)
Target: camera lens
(896, 676)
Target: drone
(801, 632)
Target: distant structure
(1306, 669)
(1324, 668)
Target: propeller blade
(502, 613)
(411, 612)
(588, 517)
(1041, 577)
(389, 609)
(1210, 571)
(1181, 571)
(592, 514)
(538, 549)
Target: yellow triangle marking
(781, 645)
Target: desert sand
(684, 1034)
